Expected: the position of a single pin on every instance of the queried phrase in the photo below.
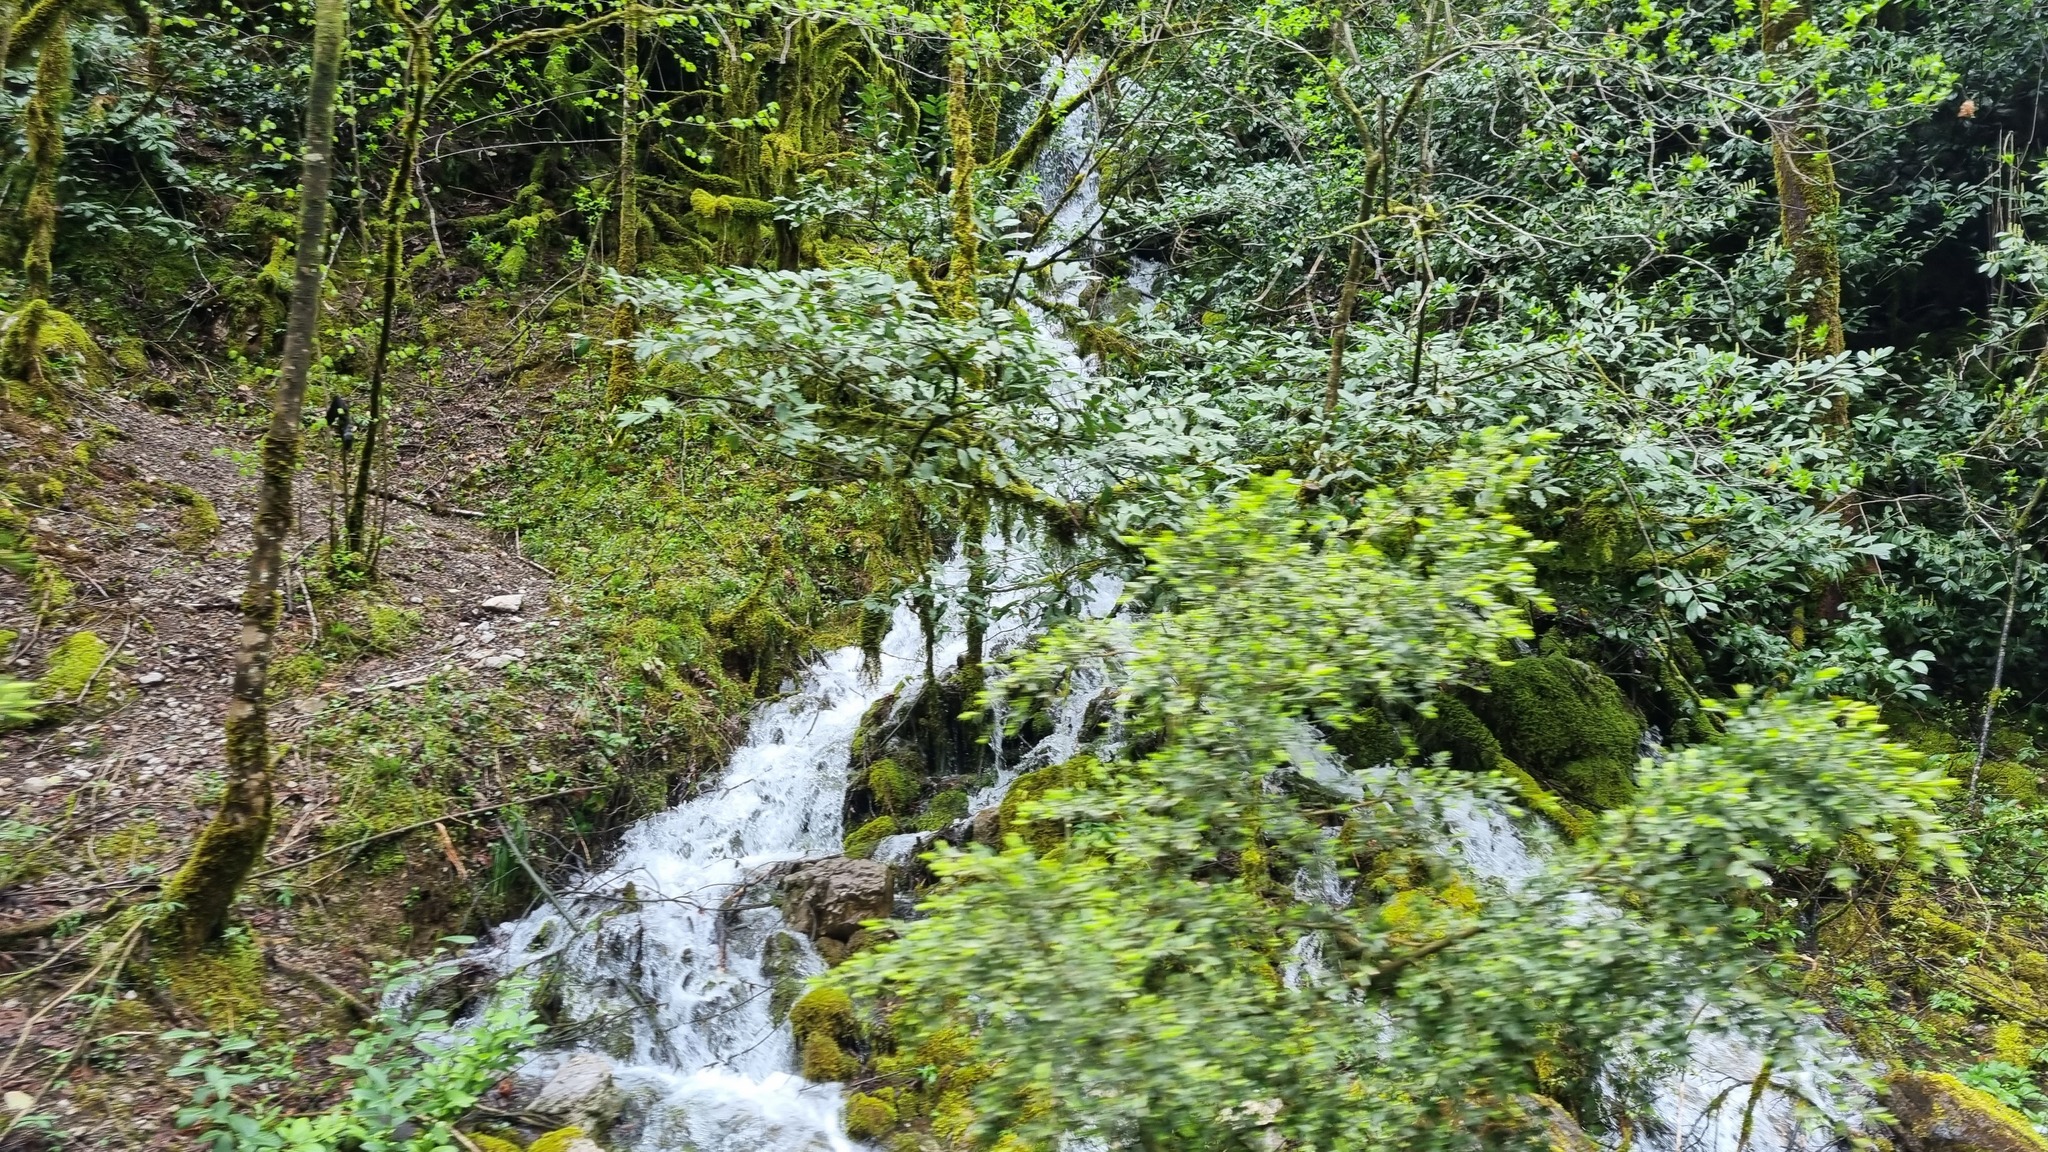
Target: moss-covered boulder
(74, 670)
(1368, 740)
(824, 1061)
(894, 787)
(827, 1010)
(1939, 1113)
(869, 1115)
(1569, 725)
(1040, 834)
(860, 843)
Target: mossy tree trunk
(620, 379)
(419, 67)
(47, 30)
(960, 299)
(1809, 208)
(232, 842)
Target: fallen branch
(437, 508)
(321, 984)
(28, 929)
(357, 845)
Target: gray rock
(37, 785)
(508, 604)
(828, 899)
(581, 1092)
(501, 660)
(988, 824)
(147, 678)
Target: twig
(2012, 595)
(427, 506)
(366, 841)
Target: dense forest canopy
(1105, 574)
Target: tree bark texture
(232, 842)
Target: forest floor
(149, 511)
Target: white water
(1700, 1106)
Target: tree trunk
(620, 379)
(230, 844)
(419, 70)
(960, 299)
(43, 120)
(1809, 212)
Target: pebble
(501, 660)
(508, 603)
(37, 785)
(150, 678)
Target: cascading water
(1704, 1105)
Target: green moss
(824, 1011)
(1568, 725)
(485, 1142)
(868, 1116)
(198, 523)
(1596, 538)
(1042, 835)
(860, 843)
(2005, 778)
(942, 809)
(71, 668)
(298, 672)
(558, 1140)
(1939, 1113)
(894, 787)
(2014, 1044)
(222, 982)
(824, 1061)
(1369, 740)
(390, 626)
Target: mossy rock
(1595, 539)
(825, 1062)
(824, 1011)
(1369, 740)
(2006, 779)
(570, 1139)
(1569, 725)
(1042, 835)
(485, 1142)
(222, 983)
(943, 809)
(894, 787)
(860, 843)
(1939, 1113)
(868, 1116)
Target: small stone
(509, 603)
(6, 781)
(80, 774)
(501, 660)
(148, 678)
(37, 785)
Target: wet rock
(508, 604)
(1938, 1113)
(988, 826)
(581, 1091)
(828, 899)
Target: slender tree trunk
(419, 70)
(2012, 600)
(1809, 211)
(960, 122)
(625, 318)
(43, 120)
(10, 11)
(232, 842)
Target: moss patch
(860, 843)
(1568, 725)
(1042, 835)
(868, 1116)
(72, 668)
(894, 787)
(222, 982)
(1939, 1113)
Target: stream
(674, 985)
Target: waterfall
(1699, 1106)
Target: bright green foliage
(1145, 984)
(413, 1078)
(18, 703)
